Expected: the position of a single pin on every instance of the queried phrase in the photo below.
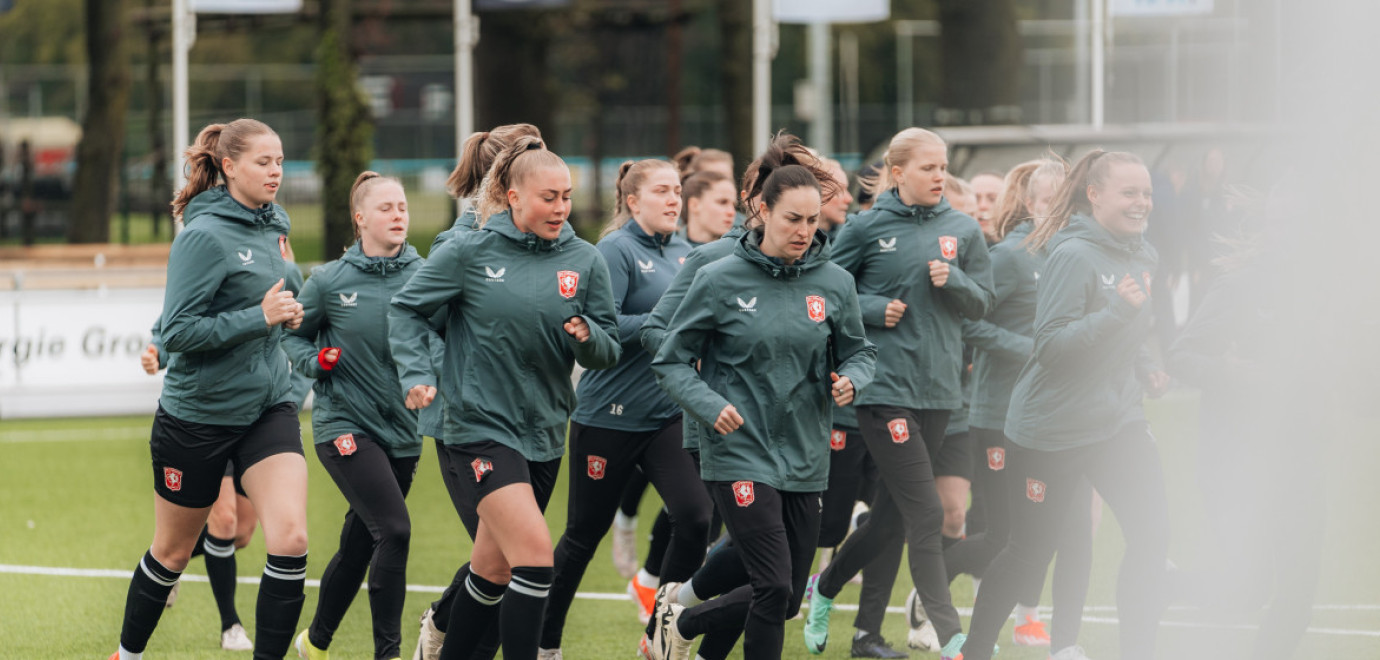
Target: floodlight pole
(762, 51)
(183, 35)
(466, 37)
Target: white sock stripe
(540, 592)
(271, 572)
(143, 565)
(222, 551)
(477, 595)
(529, 583)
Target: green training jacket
(1082, 385)
(888, 249)
(346, 304)
(773, 334)
(626, 398)
(506, 375)
(225, 365)
(653, 331)
(1004, 339)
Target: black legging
(775, 533)
(375, 538)
(601, 461)
(1126, 470)
(907, 505)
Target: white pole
(905, 77)
(1082, 67)
(466, 35)
(761, 73)
(1099, 63)
(822, 128)
(183, 33)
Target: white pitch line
(59, 571)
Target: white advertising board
(832, 11)
(245, 6)
(76, 353)
(1160, 7)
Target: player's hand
(843, 389)
(577, 328)
(1130, 291)
(420, 396)
(280, 307)
(1159, 384)
(149, 360)
(894, 311)
(729, 420)
(328, 357)
(939, 272)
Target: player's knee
(222, 523)
(694, 524)
(772, 598)
(290, 540)
(395, 532)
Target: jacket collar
(502, 224)
(381, 265)
(749, 247)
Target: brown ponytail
(478, 155)
(213, 144)
(511, 165)
(691, 160)
(786, 149)
(631, 174)
(1013, 205)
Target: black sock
(440, 609)
(524, 610)
(945, 542)
(148, 594)
(279, 606)
(472, 612)
(198, 549)
(660, 543)
(220, 570)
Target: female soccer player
(767, 400)
(1076, 409)
(365, 436)
(709, 209)
(921, 268)
(227, 395)
(1003, 342)
(623, 421)
(478, 155)
(525, 299)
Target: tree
(735, 74)
(982, 54)
(345, 130)
(103, 128)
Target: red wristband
(328, 363)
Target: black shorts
(190, 459)
(479, 468)
(955, 457)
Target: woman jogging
(525, 300)
(921, 268)
(623, 422)
(366, 437)
(1076, 409)
(767, 400)
(227, 395)
(480, 151)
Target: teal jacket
(300, 383)
(773, 334)
(431, 420)
(653, 331)
(1004, 340)
(507, 294)
(626, 398)
(1082, 385)
(346, 304)
(888, 249)
(225, 364)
